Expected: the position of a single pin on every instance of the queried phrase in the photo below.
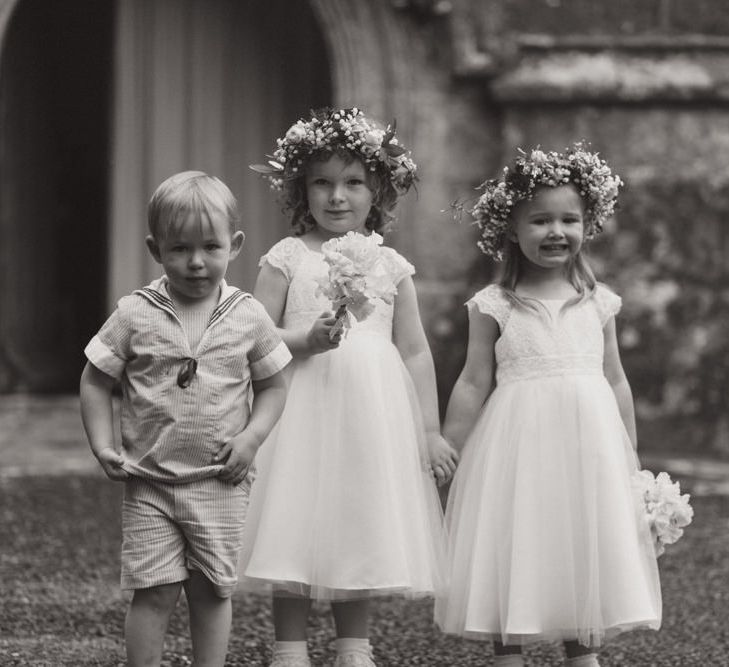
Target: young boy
(187, 349)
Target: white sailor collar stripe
(156, 293)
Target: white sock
(282, 649)
(353, 645)
(510, 660)
(588, 660)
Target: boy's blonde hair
(189, 192)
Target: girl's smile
(337, 213)
(549, 228)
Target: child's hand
(317, 338)
(237, 456)
(111, 461)
(443, 458)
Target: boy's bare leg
(210, 620)
(146, 623)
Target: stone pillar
(395, 63)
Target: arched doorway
(206, 84)
(54, 91)
(102, 100)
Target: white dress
(546, 540)
(343, 506)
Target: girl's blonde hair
(579, 274)
(186, 193)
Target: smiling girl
(545, 537)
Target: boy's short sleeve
(607, 303)
(285, 256)
(491, 301)
(268, 354)
(109, 349)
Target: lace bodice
(302, 266)
(555, 341)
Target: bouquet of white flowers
(356, 276)
(665, 509)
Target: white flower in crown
(372, 141)
(296, 133)
(666, 511)
(539, 158)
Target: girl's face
(549, 228)
(339, 196)
(195, 255)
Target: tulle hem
(325, 593)
(588, 637)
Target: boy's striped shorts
(170, 529)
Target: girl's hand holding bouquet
(356, 276)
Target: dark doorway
(55, 83)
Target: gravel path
(60, 603)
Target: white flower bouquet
(665, 509)
(356, 276)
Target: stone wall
(470, 81)
(655, 105)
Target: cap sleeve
(397, 265)
(607, 303)
(491, 301)
(285, 256)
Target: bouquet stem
(338, 325)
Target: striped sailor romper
(179, 407)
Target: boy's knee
(201, 586)
(160, 598)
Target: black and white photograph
(364, 333)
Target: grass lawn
(60, 602)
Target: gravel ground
(60, 603)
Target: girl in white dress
(546, 540)
(345, 506)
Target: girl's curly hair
(294, 201)
(350, 135)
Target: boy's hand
(317, 338)
(443, 458)
(111, 461)
(237, 456)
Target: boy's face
(195, 255)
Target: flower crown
(330, 129)
(592, 177)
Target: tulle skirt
(343, 506)
(546, 537)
